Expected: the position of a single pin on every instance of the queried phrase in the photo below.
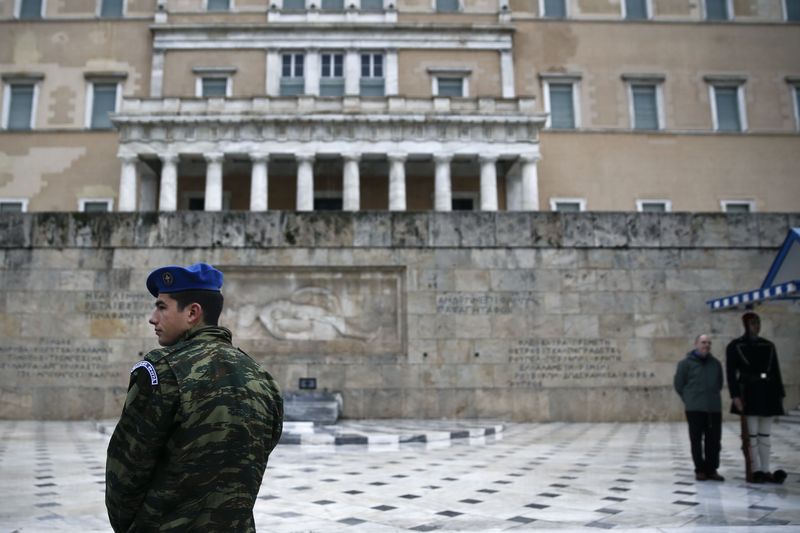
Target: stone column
(127, 183)
(168, 195)
(444, 194)
(305, 182)
(488, 182)
(311, 72)
(214, 181)
(352, 73)
(397, 182)
(507, 73)
(351, 183)
(259, 182)
(391, 74)
(530, 183)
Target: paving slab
(467, 477)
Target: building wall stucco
(670, 167)
(484, 78)
(527, 317)
(248, 79)
(762, 58)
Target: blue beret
(200, 276)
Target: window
(372, 81)
(796, 93)
(95, 205)
(653, 206)
(645, 100)
(112, 8)
(31, 9)
(449, 86)
(567, 205)
(553, 8)
(332, 5)
(213, 87)
(294, 5)
(636, 9)
(19, 106)
(791, 8)
(718, 9)
(292, 81)
(371, 5)
(331, 82)
(738, 206)
(102, 102)
(447, 6)
(727, 107)
(218, 5)
(13, 205)
(560, 101)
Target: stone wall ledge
(382, 229)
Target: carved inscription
(46, 361)
(117, 305)
(571, 362)
(485, 303)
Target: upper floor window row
(21, 96)
(714, 10)
(36, 9)
(561, 95)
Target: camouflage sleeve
(138, 442)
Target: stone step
(392, 433)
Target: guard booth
(782, 281)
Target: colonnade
(523, 192)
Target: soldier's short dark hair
(210, 301)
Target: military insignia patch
(167, 278)
(150, 370)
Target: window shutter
(636, 9)
(793, 10)
(562, 113)
(645, 107)
(451, 87)
(111, 8)
(21, 107)
(103, 103)
(218, 5)
(555, 8)
(447, 5)
(30, 9)
(215, 87)
(727, 109)
(371, 5)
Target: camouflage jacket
(189, 452)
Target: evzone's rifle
(748, 465)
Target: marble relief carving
(320, 311)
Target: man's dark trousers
(705, 433)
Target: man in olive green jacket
(200, 419)
(698, 381)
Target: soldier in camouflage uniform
(200, 419)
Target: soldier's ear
(195, 313)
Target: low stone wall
(520, 316)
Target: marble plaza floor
(522, 477)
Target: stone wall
(521, 316)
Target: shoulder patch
(150, 370)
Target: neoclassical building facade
(607, 105)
